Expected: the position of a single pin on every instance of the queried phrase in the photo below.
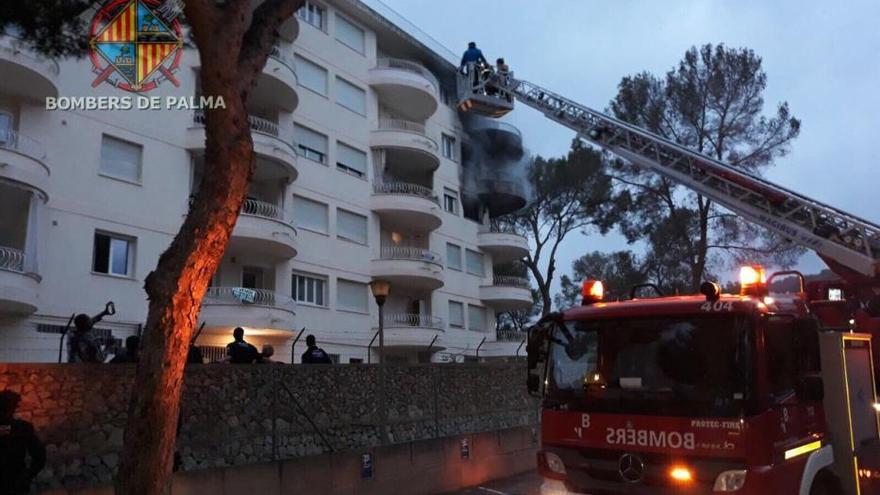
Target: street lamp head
(380, 289)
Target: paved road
(523, 484)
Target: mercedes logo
(631, 468)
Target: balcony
(409, 267)
(262, 228)
(406, 206)
(260, 311)
(26, 74)
(406, 87)
(23, 159)
(504, 243)
(411, 330)
(18, 287)
(408, 146)
(507, 293)
(268, 142)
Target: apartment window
(312, 145)
(474, 262)
(350, 160)
(309, 289)
(450, 201)
(349, 35)
(453, 256)
(456, 314)
(313, 14)
(252, 277)
(476, 318)
(311, 75)
(351, 295)
(112, 254)
(350, 96)
(449, 147)
(351, 226)
(445, 97)
(120, 159)
(310, 214)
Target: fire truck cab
(702, 394)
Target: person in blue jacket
(472, 54)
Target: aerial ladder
(848, 244)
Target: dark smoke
(495, 169)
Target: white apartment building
(359, 177)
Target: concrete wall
(247, 415)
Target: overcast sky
(821, 57)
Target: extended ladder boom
(833, 234)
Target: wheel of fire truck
(826, 483)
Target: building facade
(361, 175)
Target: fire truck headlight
(554, 463)
(730, 481)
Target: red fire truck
(753, 393)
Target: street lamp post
(380, 289)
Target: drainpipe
(293, 345)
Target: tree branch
(259, 38)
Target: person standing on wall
(17, 442)
(314, 354)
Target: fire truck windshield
(673, 366)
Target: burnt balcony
(18, 285)
(507, 293)
(406, 87)
(406, 206)
(409, 267)
(23, 160)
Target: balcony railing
(406, 188)
(410, 253)
(262, 209)
(510, 281)
(503, 228)
(15, 141)
(245, 296)
(257, 124)
(11, 259)
(278, 54)
(386, 124)
(413, 320)
(510, 335)
(409, 66)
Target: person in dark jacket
(17, 443)
(239, 351)
(472, 55)
(83, 346)
(132, 349)
(314, 354)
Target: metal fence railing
(510, 335)
(278, 53)
(247, 296)
(12, 259)
(263, 209)
(510, 281)
(15, 141)
(414, 320)
(257, 124)
(388, 124)
(406, 188)
(410, 253)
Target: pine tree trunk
(175, 290)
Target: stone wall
(236, 415)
